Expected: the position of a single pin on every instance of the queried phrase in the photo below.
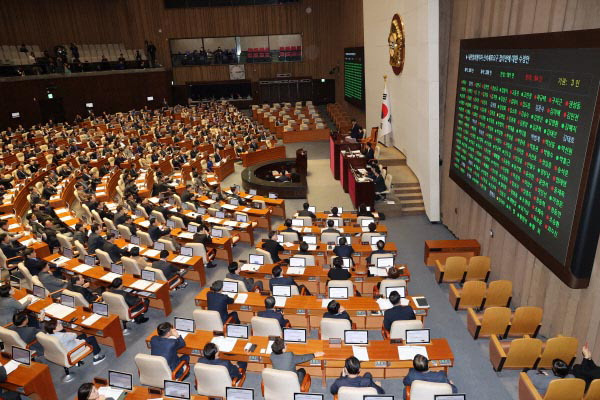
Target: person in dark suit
(380, 250)
(79, 285)
(420, 372)
(330, 227)
(338, 272)
(169, 270)
(155, 231)
(114, 251)
(166, 345)
(351, 377)
(362, 211)
(27, 329)
(210, 352)
(587, 370)
(51, 282)
(369, 153)
(32, 263)
(396, 313)
(10, 249)
(95, 241)
(250, 284)
(116, 287)
(287, 361)
(79, 233)
(335, 310)
(217, 301)
(187, 194)
(270, 312)
(272, 246)
(277, 279)
(355, 131)
(129, 224)
(343, 249)
(305, 213)
(541, 378)
(303, 249)
(379, 184)
(288, 228)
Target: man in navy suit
(169, 270)
(370, 153)
(95, 241)
(351, 377)
(166, 345)
(336, 311)
(272, 246)
(270, 312)
(343, 249)
(210, 352)
(380, 250)
(155, 232)
(420, 372)
(217, 301)
(114, 251)
(396, 313)
(277, 279)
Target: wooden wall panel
(566, 311)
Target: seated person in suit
(9, 305)
(155, 230)
(11, 249)
(140, 260)
(80, 234)
(288, 228)
(33, 263)
(114, 251)
(79, 285)
(27, 328)
(132, 300)
(270, 312)
(380, 250)
(372, 228)
(95, 241)
(379, 184)
(398, 312)
(87, 391)
(166, 345)
(234, 273)
(343, 249)
(338, 272)
(542, 378)
(303, 249)
(50, 282)
(335, 310)
(211, 352)
(369, 151)
(287, 360)
(217, 301)
(420, 372)
(587, 370)
(169, 270)
(351, 377)
(330, 227)
(272, 246)
(70, 340)
(277, 279)
(305, 212)
(334, 212)
(362, 211)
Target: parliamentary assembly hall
(299, 199)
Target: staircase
(409, 197)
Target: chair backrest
(131, 266)
(103, 258)
(329, 237)
(26, 282)
(36, 281)
(478, 268)
(561, 347)
(346, 284)
(64, 241)
(390, 283)
(212, 380)
(265, 327)
(158, 274)
(310, 259)
(159, 216)
(168, 244)
(198, 250)
(145, 238)
(266, 254)
(526, 320)
(290, 236)
(241, 285)
(565, 389)
(334, 328)
(124, 231)
(498, 294)
(80, 301)
(207, 320)
(82, 251)
(355, 393)
(53, 349)
(96, 217)
(455, 268)
(472, 294)
(494, 321)
(116, 305)
(399, 328)
(279, 385)
(142, 210)
(109, 224)
(593, 392)
(423, 390)
(153, 370)
(523, 353)
(11, 338)
(178, 222)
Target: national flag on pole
(386, 113)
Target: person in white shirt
(70, 340)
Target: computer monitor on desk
(256, 259)
(100, 309)
(134, 240)
(230, 286)
(385, 262)
(282, 290)
(418, 336)
(310, 239)
(450, 397)
(297, 222)
(308, 396)
(338, 293)
(187, 251)
(400, 289)
(148, 275)
(39, 291)
(238, 331)
(378, 397)
(241, 218)
(297, 262)
(177, 390)
(234, 393)
(67, 300)
(120, 380)
(89, 260)
(218, 233)
(312, 209)
(20, 355)
(365, 222)
(160, 246)
(116, 269)
(220, 214)
(375, 239)
(356, 337)
(294, 335)
(185, 325)
(252, 192)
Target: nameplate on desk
(445, 362)
(335, 341)
(312, 278)
(381, 363)
(245, 308)
(286, 252)
(99, 333)
(196, 351)
(301, 311)
(315, 362)
(420, 312)
(361, 313)
(357, 280)
(268, 276)
(253, 358)
(433, 363)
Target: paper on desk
(186, 235)
(145, 223)
(81, 268)
(373, 247)
(229, 207)
(7, 216)
(28, 242)
(58, 310)
(280, 301)
(224, 344)
(325, 302)
(288, 244)
(361, 353)
(110, 393)
(13, 226)
(312, 247)
(269, 350)
(154, 200)
(241, 298)
(183, 334)
(67, 218)
(246, 209)
(154, 287)
(100, 194)
(140, 284)
(250, 267)
(409, 352)
(24, 300)
(230, 223)
(11, 366)
(307, 229)
(295, 271)
(209, 201)
(91, 319)
(378, 271)
(61, 260)
(61, 210)
(244, 225)
(384, 304)
(182, 259)
(213, 220)
(110, 276)
(151, 253)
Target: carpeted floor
(472, 374)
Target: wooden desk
(361, 192)
(307, 311)
(255, 157)
(442, 249)
(384, 363)
(142, 393)
(335, 146)
(224, 169)
(311, 135)
(262, 216)
(347, 160)
(33, 381)
(344, 230)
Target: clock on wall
(237, 72)
(396, 43)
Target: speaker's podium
(301, 162)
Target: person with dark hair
(305, 213)
(392, 273)
(272, 246)
(8, 305)
(217, 301)
(133, 302)
(337, 311)
(270, 312)
(87, 391)
(249, 283)
(11, 249)
(587, 370)
(129, 224)
(155, 230)
(277, 279)
(166, 345)
(420, 372)
(287, 361)
(369, 152)
(169, 270)
(303, 249)
(114, 251)
(70, 340)
(351, 377)
(379, 184)
(338, 272)
(211, 352)
(79, 285)
(362, 211)
(334, 212)
(34, 264)
(288, 228)
(380, 250)
(51, 282)
(140, 260)
(95, 241)
(330, 227)
(343, 249)
(398, 312)
(80, 233)
(27, 328)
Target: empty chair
(561, 347)
(493, 321)
(213, 380)
(103, 258)
(423, 390)
(333, 328)
(178, 222)
(265, 327)
(145, 239)
(498, 294)
(117, 305)
(517, 354)
(526, 321)
(266, 254)
(355, 393)
(478, 269)
(307, 220)
(159, 216)
(471, 295)
(452, 271)
(80, 301)
(82, 252)
(57, 354)
(168, 244)
(281, 385)
(154, 370)
(208, 320)
(310, 259)
(27, 281)
(198, 250)
(558, 389)
(329, 237)
(65, 241)
(131, 266)
(109, 224)
(124, 232)
(399, 329)
(11, 338)
(142, 211)
(593, 392)
(96, 216)
(290, 236)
